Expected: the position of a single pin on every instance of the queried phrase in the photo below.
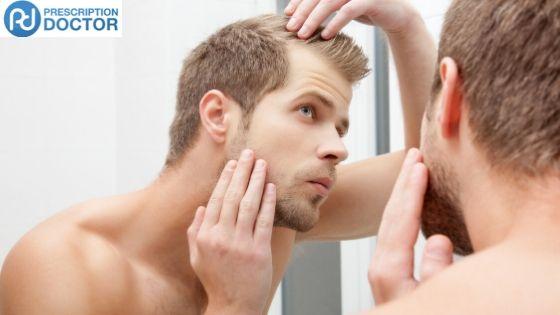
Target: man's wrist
(414, 24)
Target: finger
(291, 7)
(438, 255)
(197, 222)
(265, 219)
(347, 13)
(193, 229)
(301, 14)
(249, 206)
(236, 189)
(321, 12)
(214, 206)
(394, 204)
(401, 221)
(412, 157)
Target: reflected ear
(449, 116)
(214, 113)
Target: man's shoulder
(497, 281)
(60, 265)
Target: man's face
(442, 213)
(297, 129)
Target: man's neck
(498, 209)
(157, 234)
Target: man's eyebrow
(344, 123)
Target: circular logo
(22, 18)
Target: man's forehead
(310, 70)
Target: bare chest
(160, 296)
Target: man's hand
(229, 240)
(393, 16)
(391, 271)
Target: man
(252, 84)
(491, 143)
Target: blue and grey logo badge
(22, 18)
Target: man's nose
(333, 149)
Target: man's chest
(157, 295)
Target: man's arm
(354, 208)
(415, 55)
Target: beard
(296, 209)
(442, 213)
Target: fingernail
(247, 154)
(231, 164)
(326, 34)
(292, 23)
(271, 188)
(259, 164)
(412, 153)
(435, 250)
(289, 8)
(417, 169)
(303, 31)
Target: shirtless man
(253, 84)
(491, 143)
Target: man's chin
(301, 219)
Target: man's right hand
(229, 239)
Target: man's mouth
(323, 185)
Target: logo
(22, 18)
(61, 18)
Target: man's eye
(307, 111)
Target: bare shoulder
(61, 269)
(499, 281)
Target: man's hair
(246, 60)
(508, 55)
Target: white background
(84, 118)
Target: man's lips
(323, 185)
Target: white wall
(57, 139)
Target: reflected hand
(229, 239)
(393, 16)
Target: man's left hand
(391, 274)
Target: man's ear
(449, 115)
(215, 114)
